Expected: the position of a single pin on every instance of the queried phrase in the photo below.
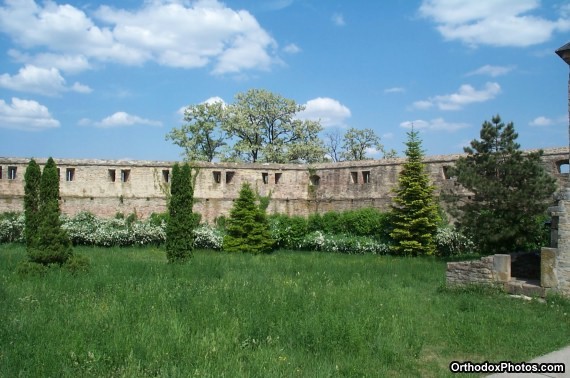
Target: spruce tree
(53, 246)
(414, 212)
(179, 230)
(247, 229)
(32, 179)
(511, 191)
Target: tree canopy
(259, 126)
(354, 144)
(202, 136)
(511, 191)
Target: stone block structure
(105, 187)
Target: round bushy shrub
(208, 237)
(450, 242)
(247, 228)
(288, 232)
(12, 226)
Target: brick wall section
(295, 189)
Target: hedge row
(353, 232)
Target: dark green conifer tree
(414, 212)
(179, 230)
(511, 191)
(54, 246)
(32, 179)
(247, 229)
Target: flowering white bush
(87, 229)
(12, 229)
(208, 237)
(317, 241)
(451, 242)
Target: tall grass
(285, 314)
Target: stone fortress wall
(105, 187)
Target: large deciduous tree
(32, 179)
(415, 211)
(266, 129)
(354, 144)
(179, 235)
(53, 245)
(511, 190)
(202, 137)
(357, 143)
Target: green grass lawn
(280, 315)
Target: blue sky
(107, 80)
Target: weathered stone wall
(295, 189)
(470, 272)
(559, 268)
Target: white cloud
(292, 49)
(437, 124)
(329, 111)
(26, 115)
(338, 19)
(423, 104)
(211, 100)
(45, 81)
(70, 64)
(80, 88)
(492, 71)
(541, 121)
(119, 119)
(464, 96)
(495, 23)
(372, 151)
(394, 90)
(546, 121)
(171, 33)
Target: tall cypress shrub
(247, 229)
(415, 211)
(181, 222)
(53, 246)
(32, 179)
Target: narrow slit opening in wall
(265, 177)
(229, 176)
(447, 172)
(12, 173)
(277, 178)
(563, 167)
(112, 175)
(354, 177)
(366, 177)
(0, 172)
(125, 175)
(315, 180)
(165, 175)
(217, 176)
(69, 174)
